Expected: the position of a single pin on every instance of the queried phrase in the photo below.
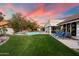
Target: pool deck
(73, 44)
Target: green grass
(37, 45)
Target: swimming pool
(29, 33)
(33, 33)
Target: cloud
(38, 12)
(41, 11)
(17, 10)
(55, 12)
(2, 10)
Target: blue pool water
(29, 33)
(33, 33)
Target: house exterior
(4, 23)
(4, 28)
(51, 26)
(71, 25)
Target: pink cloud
(2, 10)
(56, 11)
(38, 12)
(59, 8)
(15, 9)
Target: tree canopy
(20, 23)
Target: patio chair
(56, 33)
(67, 34)
(61, 34)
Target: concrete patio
(73, 44)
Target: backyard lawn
(36, 45)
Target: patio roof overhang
(62, 23)
(53, 22)
(70, 19)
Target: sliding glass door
(73, 29)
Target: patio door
(64, 27)
(53, 29)
(73, 29)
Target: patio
(73, 44)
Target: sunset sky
(40, 12)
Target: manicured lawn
(41, 45)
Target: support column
(61, 27)
(70, 28)
(45, 29)
(66, 27)
(49, 29)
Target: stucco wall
(48, 29)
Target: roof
(53, 22)
(4, 22)
(70, 18)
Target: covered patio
(51, 26)
(71, 25)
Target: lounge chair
(62, 34)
